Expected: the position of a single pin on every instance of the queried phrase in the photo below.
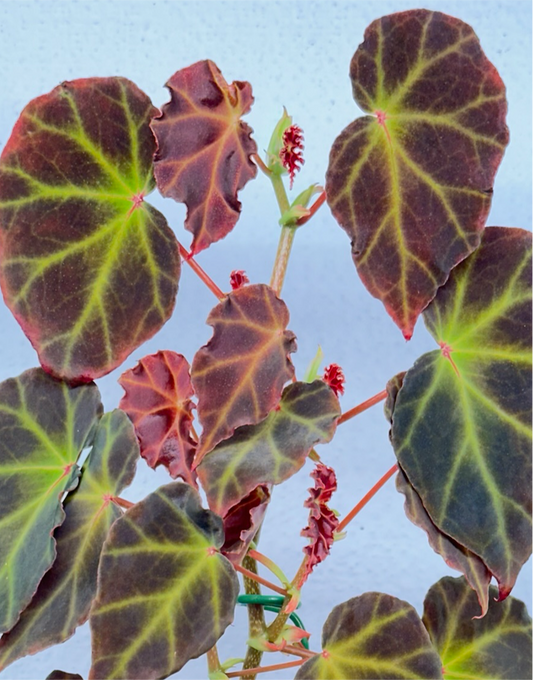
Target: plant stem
(200, 272)
(356, 410)
(313, 209)
(259, 162)
(256, 618)
(377, 486)
(285, 239)
(270, 565)
(255, 577)
(275, 628)
(213, 662)
(122, 502)
(265, 669)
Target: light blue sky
(295, 54)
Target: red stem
(313, 209)
(356, 410)
(264, 669)
(254, 577)
(200, 272)
(364, 500)
(122, 502)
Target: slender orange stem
(364, 500)
(200, 272)
(313, 209)
(265, 669)
(304, 653)
(261, 165)
(356, 410)
(254, 577)
(122, 502)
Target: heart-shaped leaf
(44, 425)
(239, 375)
(88, 268)
(497, 646)
(65, 594)
(373, 636)
(165, 594)
(204, 148)
(461, 425)
(158, 402)
(411, 184)
(273, 450)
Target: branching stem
(266, 669)
(189, 259)
(313, 209)
(364, 500)
(259, 579)
(256, 618)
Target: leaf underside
(204, 148)
(239, 375)
(157, 399)
(87, 267)
(242, 522)
(179, 594)
(65, 594)
(373, 636)
(273, 450)
(411, 183)
(44, 425)
(497, 646)
(461, 424)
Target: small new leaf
(158, 401)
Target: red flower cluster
(291, 152)
(238, 279)
(334, 377)
(322, 520)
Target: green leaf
(165, 594)
(239, 375)
(273, 450)
(65, 594)
(496, 647)
(204, 149)
(411, 183)
(373, 636)
(455, 556)
(44, 425)
(87, 267)
(461, 425)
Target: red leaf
(158, 402)
(239, 375)
(242, 522)
(322, 520)
(204, 149)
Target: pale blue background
(295, 54)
